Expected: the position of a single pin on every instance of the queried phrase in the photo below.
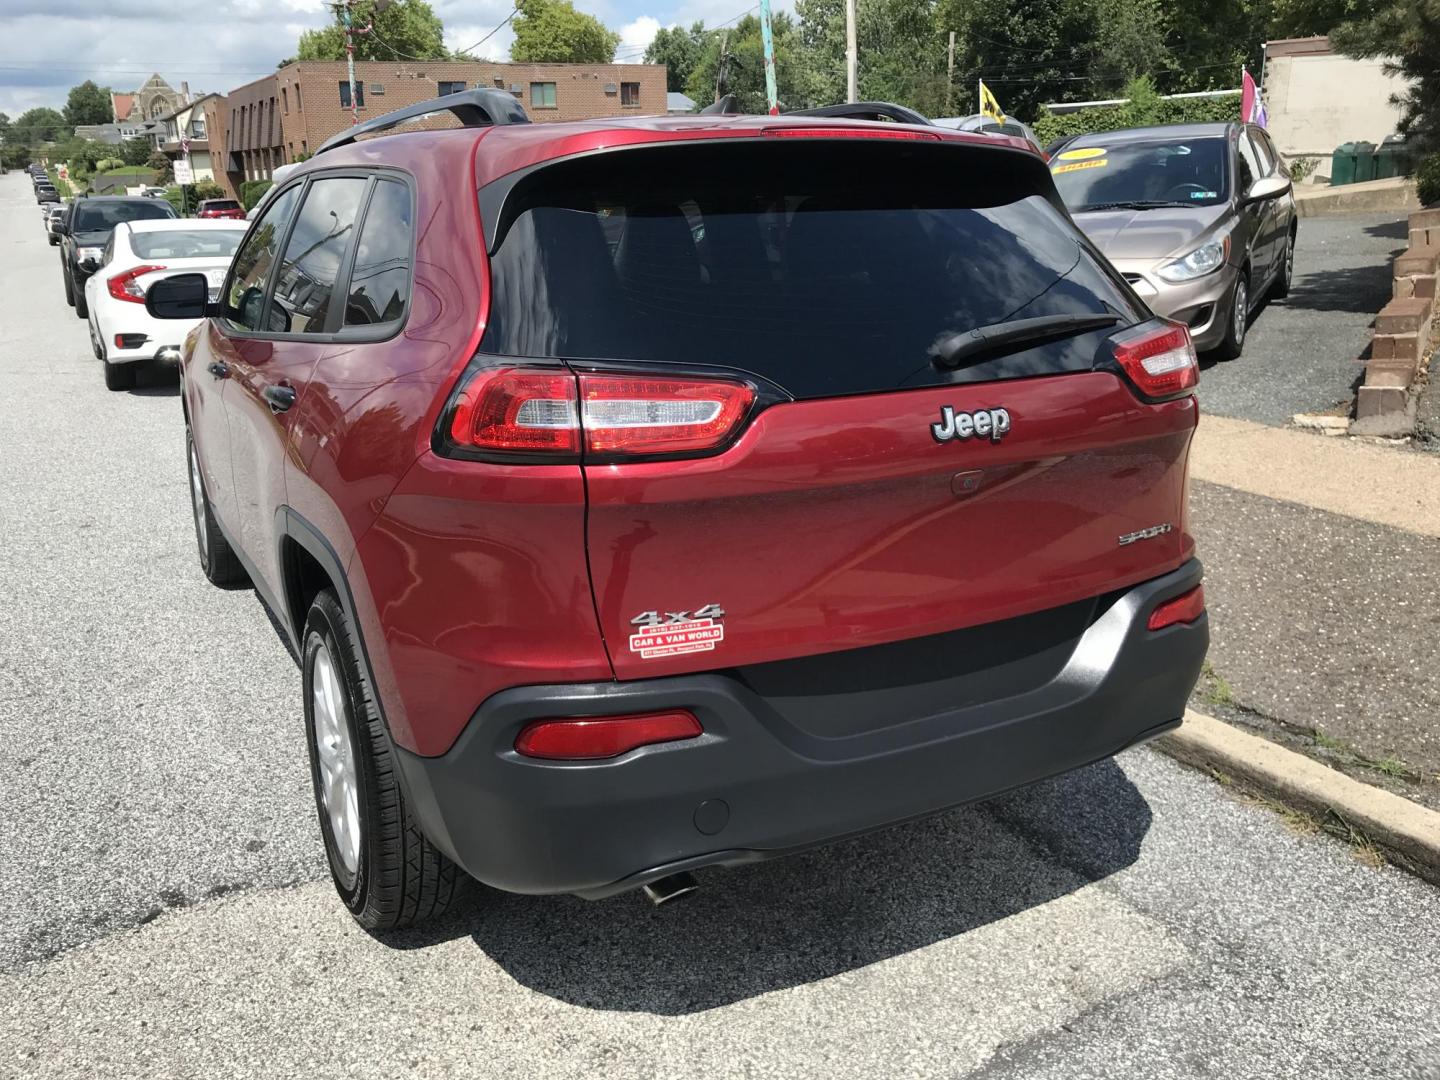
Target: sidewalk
(1323, 583)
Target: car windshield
(1188, 172)
(220, 204)
(186, 243)
(94, 215)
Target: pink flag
(1248, 97)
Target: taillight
(125, 287)
(604, 737)
(518, 410)
(622, 414)
(551, 412)
(1185, 608)
(1160, 361)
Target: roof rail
(866, 110)
(473, 108)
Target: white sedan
(140, 253)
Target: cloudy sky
(50, 45)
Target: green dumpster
(1364, 162)
(1342, 165)
(1390, 157)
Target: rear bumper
(755, 786)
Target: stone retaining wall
(1385, 404)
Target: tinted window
(186, 244)
(220, 204)
(380, 282)
(1190, 172)
(773, 260)
(323, 232)
(1262, 153)
(1250, 169)
(100, 215)
(244, 300)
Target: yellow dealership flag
(989, 106)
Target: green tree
(4, 125)
(552, 31)
(406, 30)
(679, 50)
(40, 125)
(15, 155)
(1409, 31)
(900, 45)
(797, 82)
(88, 104)
(135, 151)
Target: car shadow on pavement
(156, 382)
(763, 927)
(1360, 289)
(1399, 229)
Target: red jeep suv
(651, 494)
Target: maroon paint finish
(834, 524)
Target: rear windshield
(828, 270)
(185, 244)
(220, 204)
(1185, 172)
(93, 215)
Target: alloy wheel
(197, 502)
(339, 780)
(1241, 312)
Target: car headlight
(88, 254)
(1205, 259)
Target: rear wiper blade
(1132, 204)
(957, 349)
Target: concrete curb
(1385, 819)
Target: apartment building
(285, 117)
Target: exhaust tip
(670, 888)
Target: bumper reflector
(603, 736)
(1185, 608)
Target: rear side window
(245, 297)
(775, 259)
(380, 282)
(315, 252)
(185, 244)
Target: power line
(492, 33)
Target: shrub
(1427, 180)
(251, 190)
(1143, 108)
(207, 189)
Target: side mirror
(61, 229)
(1268, 187)
(184, 296)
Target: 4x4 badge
(680, 632)
(982, 423)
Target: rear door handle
(279, 397)
(219, 370)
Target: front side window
(542, 95)
(380, 281)
(245, 298)
(1262, 152)
(323, 233)
(1158, 172)
(1249, 163)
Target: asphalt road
(164, 913)
(1303, 352)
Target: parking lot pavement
(1302, 354)
(164, 911)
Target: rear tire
(218, 561)
(119, 376)
(1237, 319)
(69, 285)
(82, 309)
(386, 871)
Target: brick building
(288, 115)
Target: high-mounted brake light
(552, 412)
(1161, 362)
(604, 737)
(1185, 608)
(848, 133)
(125, 287)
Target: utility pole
(852, 55)
(767, 41)
(950, 78)
(720, 69)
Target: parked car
(1200, 218)
(84, 232)
(220, 208)
(139, 253)
(46, 193)
(609, 553)
(153, 192)
(981, 122)
(53, 213)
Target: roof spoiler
(866, 110)
(473, 108)
(728, 105)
